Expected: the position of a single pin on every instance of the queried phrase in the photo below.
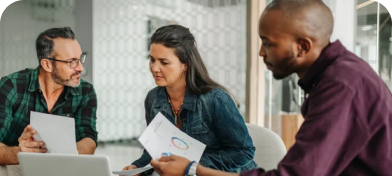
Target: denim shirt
(212, 119)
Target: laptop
(49, 164)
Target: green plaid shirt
(20, 93)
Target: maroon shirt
(348, 121)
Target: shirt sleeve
(237, 150)
(7, 98)
(86, 117)
(145, 159)
(330, 137)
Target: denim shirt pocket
(199, 127)
(200, 131)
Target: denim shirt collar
(189, 102)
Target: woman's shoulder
(154, 93)
(219, 95)
(215, 92)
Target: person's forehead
(273, 19)
(161, 51)
(275, 24)
(68, 47)
(63, 41)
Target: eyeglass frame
(84, 55)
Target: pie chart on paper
(179, 143)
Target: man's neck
(301, 74)
(48, 86)
(316, 53)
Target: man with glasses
(54, 87)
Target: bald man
(347, 108)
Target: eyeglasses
(74, 63)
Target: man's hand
(27, 142)
(170, 166)
(130, 167)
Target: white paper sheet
(132, 172)
(162, 138)
(58, 132)
(155, 174)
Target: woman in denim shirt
(196, 104)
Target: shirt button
(307, 95)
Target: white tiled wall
(121, 74)
(20, 25)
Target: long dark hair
(184, 44)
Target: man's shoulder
(22, 74)
(17, 78)
(354, 74)
(351, 71)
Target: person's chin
(160, 83)
(75, 83)
(279, 76)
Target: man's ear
(304, 46)
(47, 65)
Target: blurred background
(115, 34)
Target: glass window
(385, 45)
(366, 32)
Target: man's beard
(66, 82)
(286, 71)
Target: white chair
(3, 170)
(270, 148)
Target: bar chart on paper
(162, 138)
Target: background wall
(21, 23)
(121, 74)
